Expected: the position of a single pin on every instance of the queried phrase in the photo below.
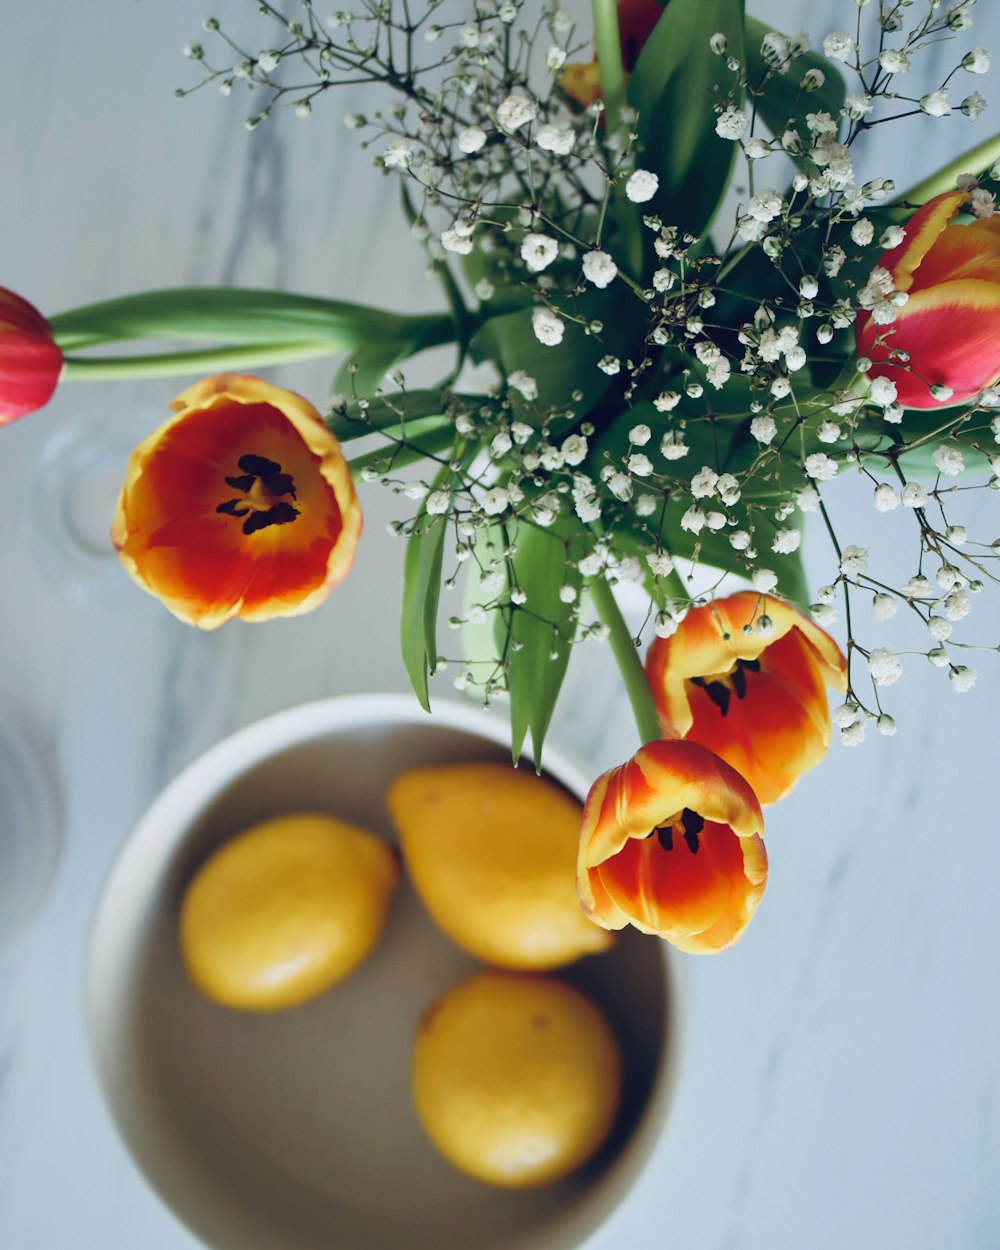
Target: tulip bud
(30, 361)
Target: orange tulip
(241, 505)
(581, 81)
(670, 843)
(756, 698)
(30, 361)
(949, 326)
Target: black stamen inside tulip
(721, 690)
(262, 483)
(693, 825)
(665, 836)
(717, 691)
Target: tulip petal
(954, 328)
(922, 232)
(960, 252)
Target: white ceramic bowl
(295, 1130)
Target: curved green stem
(171, 364)
(972, 162)
(630, 666)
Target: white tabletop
(841, 1079)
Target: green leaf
(363, 371)
(233, 315)
(782, 101)
(510, 341)
(421, 592)
(674, 88)
(543, 626)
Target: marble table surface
(841, 1084)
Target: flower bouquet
(675, 318)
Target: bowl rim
(189, 792)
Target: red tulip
(670, 843)
(756, 698)
(30, 361)
(241, 505)
(949, 326)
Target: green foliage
(539, 634)
(510, 341)
(233, 315)
(421, 592)
(782, 102)
(676, 84)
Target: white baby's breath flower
(641, 186)
(438, 502)
(703, 483)
(645, 505)
(884, 607)
(574, 449)
(458, 238)
(555, 58)
(884, 666)
(525, 386)
(858, 105)
(763, 429)
(949, 460)
(764, 580)
(894, 61)
(882, 391)
(839, 46)
(854, 561)
(640, 465)
(471, 139)
(977, 61)
(660, 563)
(828, 432)
(957, 606)
(538, 251)
(820, 467)
(733, 123)
(693, 520)
(807, 497)
(620, 485)
(962, 678)
(495, 501)
(515, 111)
(854, 734)
(398, 153)
(668, 400)
(599, 268)
(557, 139)
(739, 540)
(914, 495)
(786, 541)
(549, 329)
(886, 497)
(862, 232)
(935, 103)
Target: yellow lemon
(516, 1079)
(285, 910)
(492, 853)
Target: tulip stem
(629, 665)
(210, 360)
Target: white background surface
(841, 1081)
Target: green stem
(613, 92)
(630, 666)
(609, 59)
(170, 364)
(972, 162)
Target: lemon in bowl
(516, 1079)
(285, 910)
(491, 850)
